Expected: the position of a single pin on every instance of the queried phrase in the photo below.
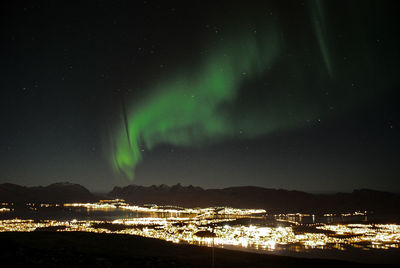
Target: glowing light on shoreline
(200, 227)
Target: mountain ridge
(272, 200)
(59, 192)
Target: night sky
(281, 94)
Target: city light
(218, 226)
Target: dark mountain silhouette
(53, 193)
(272, 200)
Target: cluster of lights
(5, 210)
(208, 230)
(201, 212)
(273, 238)
(201, 226)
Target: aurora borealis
(196, 107)
(298, 95)
(185, 110)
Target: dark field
(51, 249)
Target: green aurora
(185, 111)
(204, 105)
(318, 20)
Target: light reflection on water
(64, 213)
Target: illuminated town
(219, 227)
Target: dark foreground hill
(272, 200)
(48, 249)
(54, 193)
